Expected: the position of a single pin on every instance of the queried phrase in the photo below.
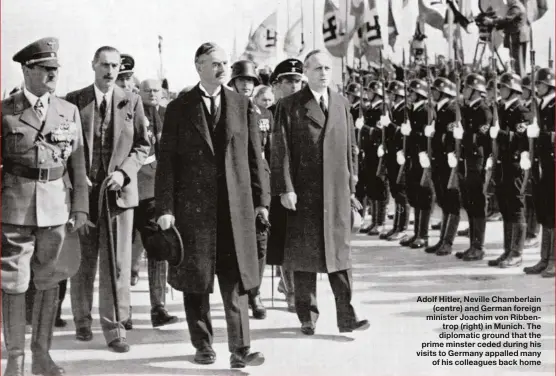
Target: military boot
(477, 238)
(385, 235)
(373, 209)
(380, 213)
(44, 314)
(409, 240)
(287, 277)
(403, 221)
(13, 305)
(507, 240)
(450, 230)
(549, 271)
(422, 239)
(540, 266)
(518, 238)
(434, 248)
(461, 254)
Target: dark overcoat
(315, 157)
(186, 186)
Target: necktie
(213, 110)
(39, 109)
(323, 106)
(102, 108)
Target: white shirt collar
(217, 91)
(472, 103)
(441, 103)
(32, 98)
(546, 99)
(99, 94)
(510, 102)
(317, 96)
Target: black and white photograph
(278, 187)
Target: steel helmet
(511, 81)
(420, 87)
(477, 82)
(445, 86)
(244, 68)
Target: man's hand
(400, 158)
(263, 211)
(429, 130)
(166, 221)
(533, 130)
(384, 121)
(380, 151)
(406, 129)
(452, 160)
(289, 200)
(360, 122)
(355, 203)
(488, 165)
(494, 130)
(525, 161)
(76, 221)
(116, 181)
(84, 230)
(458, 132)
(424, 160)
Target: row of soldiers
(455, 143)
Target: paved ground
(387, 281)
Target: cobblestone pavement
(387, 280)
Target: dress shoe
(205, 355)
(494, 217)
(256, 305)
(510, 262)
(358, 326)
(244, 357)
(308, 328)
(160, 317)
(549, 271)
(497, 261)
(83, 334)
(407, 240)
(538, 268)
(60, 322)
(119, 345)
(42, 364)
(134, 278)
(531, 242)
(474, 255)
(397, 236)
(419, 243)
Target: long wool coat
(315, 157)
(186, 187)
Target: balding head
(151, 92)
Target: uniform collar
(398, 105)
(442, 102)
(474, 101)
(376, 104)
(546, 99)
(416, 105)
(509, 103)
(32, 98)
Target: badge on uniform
(521, 127)
(264, 125)
(129, 116)
(484, 129)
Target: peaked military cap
(43, 52)
(127, 63)
(288, 67)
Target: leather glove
(400, 158)
(452, 160)
(533, 130)
(380, 151)
(384, 121)
(488, 165)
(494, 130)
(359, 122)
(525, 162)
(166, 221)
(458, 131)
(429, 130)
(289, 200)
(406, 129)
(424, 160)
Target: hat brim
(282, 75)
(130, 72)
(48, 64)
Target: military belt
(39, 174)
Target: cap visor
(49, 64)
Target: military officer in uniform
(354, 96)
(244, 79)
(444, 94)
(476, 121)
(288, 78)
(376, 187)
(44, 195)
(543, 189)
(510, 133)
(420, 198)
(125, 77)
(394, 142)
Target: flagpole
(160, 57)
(302, 31)
(314, 26)
(451, 56)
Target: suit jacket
(146, 175)
(187, 186)
(29, 202)
(315, 157)
(515, 24)
(130, 143)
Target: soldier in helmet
(510, 133)
(533, 228)
(444, 94)
(244, 79)
(394, 142)
(476, 119)
(543, 189)
(420, 198)
(354, 97)
(287, 79)
(125, 77)
(376, 187)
